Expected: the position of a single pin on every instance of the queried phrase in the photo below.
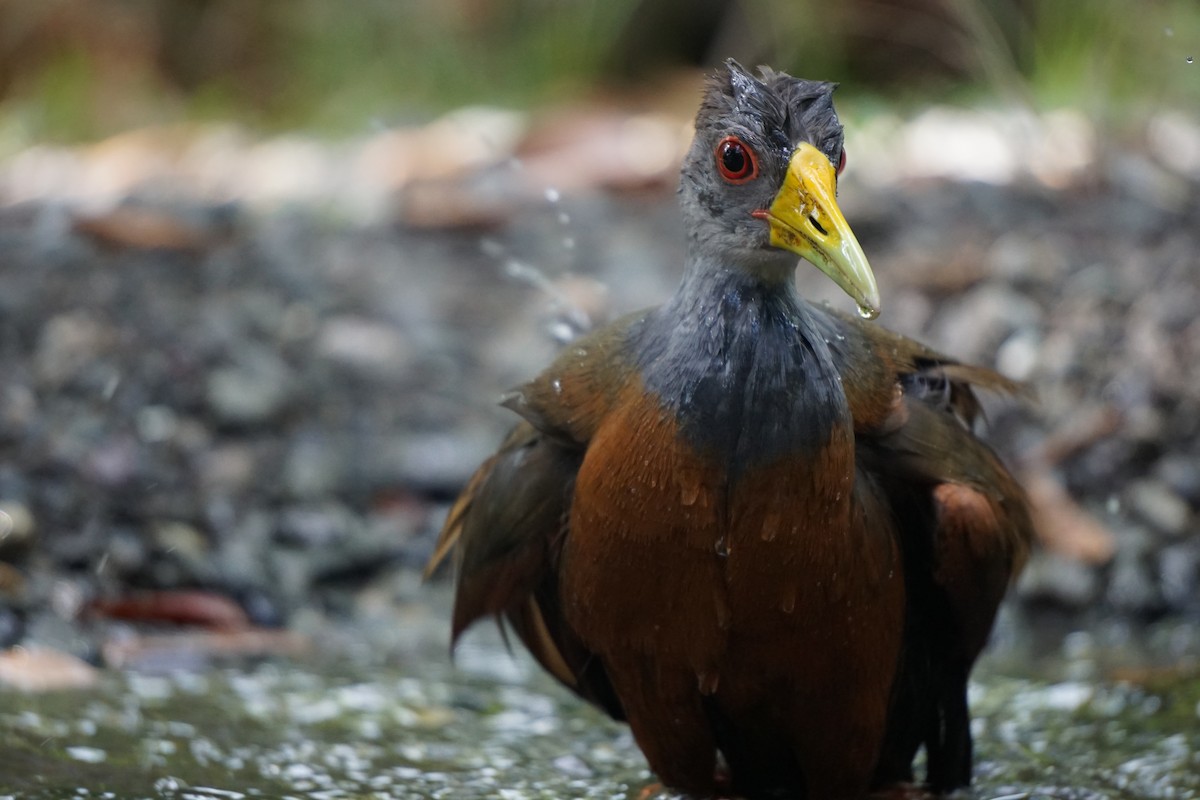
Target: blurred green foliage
(72, 69)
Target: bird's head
(759, 183)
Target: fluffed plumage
(744, 523)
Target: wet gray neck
(735, 353)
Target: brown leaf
(176, 607)
(147, 229)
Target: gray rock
(435, 460)
(242, 556)
(69, 343)
(315, 466)
(1016, 257)
(1132, 584)
(1056, 579)
(252, 391)
(1182, 474)
(317, 526)
(372, 348)
(975, 325)
(18, 527)
(1179, 574)
(1159, 506)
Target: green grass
(79, 69)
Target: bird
(761, 531)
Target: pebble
(1179, 575)
(983, 318)
(1132, 585)
(1182, 474)
(372, 348)
(1017, 257)
(316, 526)
(252, 391)
(229, 467)
(1158, 505)
(17, 527)
(316, 465)
(68, 343)
(1051, 578)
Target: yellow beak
(804, 218)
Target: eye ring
(736, 161)
(841, 165)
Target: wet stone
(1055, 579)
(17, 528)
(1018, 257)
(981, 320)
(316, 526)
(1132, 585)
(1157, 504)
(68, 344)
(315, 465)
(362, 345)
(1182, 474)
(1179, 575)
(251, 391)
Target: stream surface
(378, 711)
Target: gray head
(760, 180)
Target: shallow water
(379, 712)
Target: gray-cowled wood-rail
(759, 530)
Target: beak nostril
(816, 224)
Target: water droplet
(789, 602)
(556, 384)
(1190, 60)
(722, 546)
(553, 195)
(491, 247)
(866, 312)
(689, 488)
(564, 218)
(561, 331)
(772, 522)
(568, 242)
(1169, 31)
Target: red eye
(736, 161)
(842, 162)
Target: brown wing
(506, 532)
(507, 529)
(963, 527)
(965, 533)
(977, 528)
